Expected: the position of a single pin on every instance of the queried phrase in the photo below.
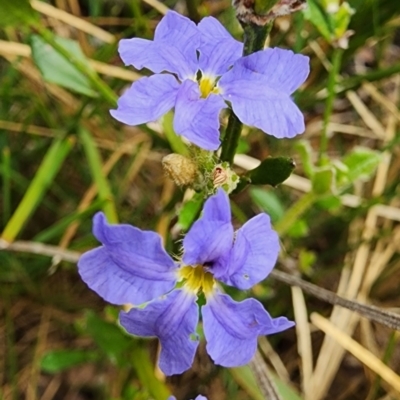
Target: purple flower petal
(174, 48)
(253, 255)
(147, 99)
(131, 266)
(197, 119)
(211, 236)
(231, 328)
(218, 49)
(259, 88)
(173, 319)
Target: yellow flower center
(207, 86)
(196, 279)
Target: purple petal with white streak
(256, 104)
(174, 48)
(147, 100)
(197, 119)
(131, 266)
(253, 255)
(173, 319)
(231, 328)
(259, 88)
(218, 49)
(282, 69)
(211, 236)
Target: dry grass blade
(304, 185)
(160, 7)
(71, 20)
(22, 246)
(262, 374)
(23, 50)
(358, 351)
(373, 313)
(303, 333)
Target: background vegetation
(62, 157)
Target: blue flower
(131, 266)
(205, 72)
(199, 397)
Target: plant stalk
(332, 80)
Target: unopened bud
(182, 170)
(261, 12)
(223, 176)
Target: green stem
(106, 92)
(254, 40)
(295, 212)
(333, 73)
(193, 12)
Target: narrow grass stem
(333, 73)
(254, 40)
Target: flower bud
(182, 170)
(223, 176)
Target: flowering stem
(254, 40)
(333, 73)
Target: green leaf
(245, 378)
(57, 69)
(269, 202)
(316, 14)
(109, 337)
(16, 13)
(60, 360)
(298, 229)
(323, 181)
(305, 151)
(330, 203)
(361, 163)
(306, 260)
(190, 210)
(272, 171)
(342, 19)
(175, 141)
(96, 169)
(41, 182)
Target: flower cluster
(199, 70)
(132, 266)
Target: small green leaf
(60, 360)
(189, 211)
(316, 14)
(342, 19)
(306, 260)
(272, 171)
(57, 69)
(361, 163)
(108, 336)
(17, 12)
(298, 229)
(323, 181)
(269, 202)
(175, 141)
(305, 151)
(330, 203)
